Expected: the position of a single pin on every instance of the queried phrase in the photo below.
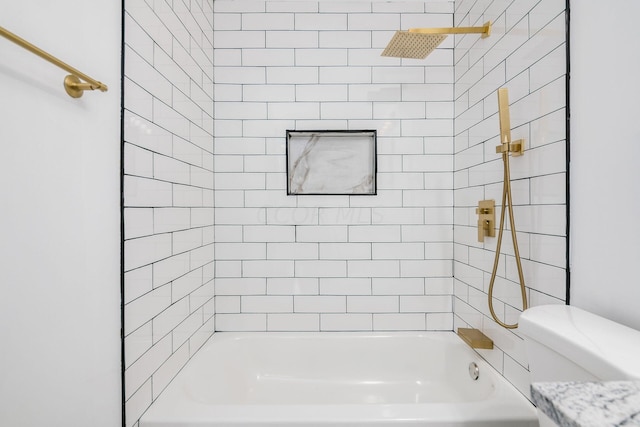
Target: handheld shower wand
(506, 148)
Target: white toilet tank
(565, 343)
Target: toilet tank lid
(607, 349)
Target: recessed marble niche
(331, 162)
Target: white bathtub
(338, 379)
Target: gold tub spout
(475, 338)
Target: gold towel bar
(72, 83)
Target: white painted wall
(59, 210)
(605, 151)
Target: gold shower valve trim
(486, 211)
(485, 30)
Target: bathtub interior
(334, 368)
(335, 379)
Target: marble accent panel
(331, 162)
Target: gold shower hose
(506, 197)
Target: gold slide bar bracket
(485, 30)
(73, 83)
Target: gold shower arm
(485, 30)
(72, 83)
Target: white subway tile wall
(331, 263)
(404, 259)
(168, 192)
(526, 53)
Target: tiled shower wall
(526, 53)
(329, 263)
(168, 192)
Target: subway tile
(321, 57)
(321, 233)
(292, 39)
(138, 102)
(384, 198)
(239, 39)
(432, 92)
(320, 304)
(292, 286)
(292, 216)
(267, 21)
(320, 268)
(314, 21)
(169, 369)
(291, 75)
(344, 216)
(241, 110)
(404, 110)
(266, 304)
(426, 304)
(293, 322)
(345, 7)
(267, 198)
(266, 128)
(138, 222)
(240, 286)
(292, 6)
(373, 21)
(227, 21)
(137, 343)
(370, 268)
(397, 75)
(241, 322)
(346, 322)
(372, 304)
(240, 75)
(399, 322)
(145, 75)
(440, 322)
(137, 374)
(337, 251)
(400, 216)
(398, 286)
(240, 251)
(268, 233)
(344, 75)
(145, 250)
(142, 310)
(428, 268)
(268, 93)
(171, 219)
(268, 57)
(141, 192)
(292, 251)
(166, 321)
(345, 286)
(397, 181)
(320, 93)
(268, 268)
(397, 251)
(432, 198)
(186, 284)
(375, 92)
(294, 110)
(137, 283)
(344, 39)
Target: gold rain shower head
(417, 43)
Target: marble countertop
(589, 404)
